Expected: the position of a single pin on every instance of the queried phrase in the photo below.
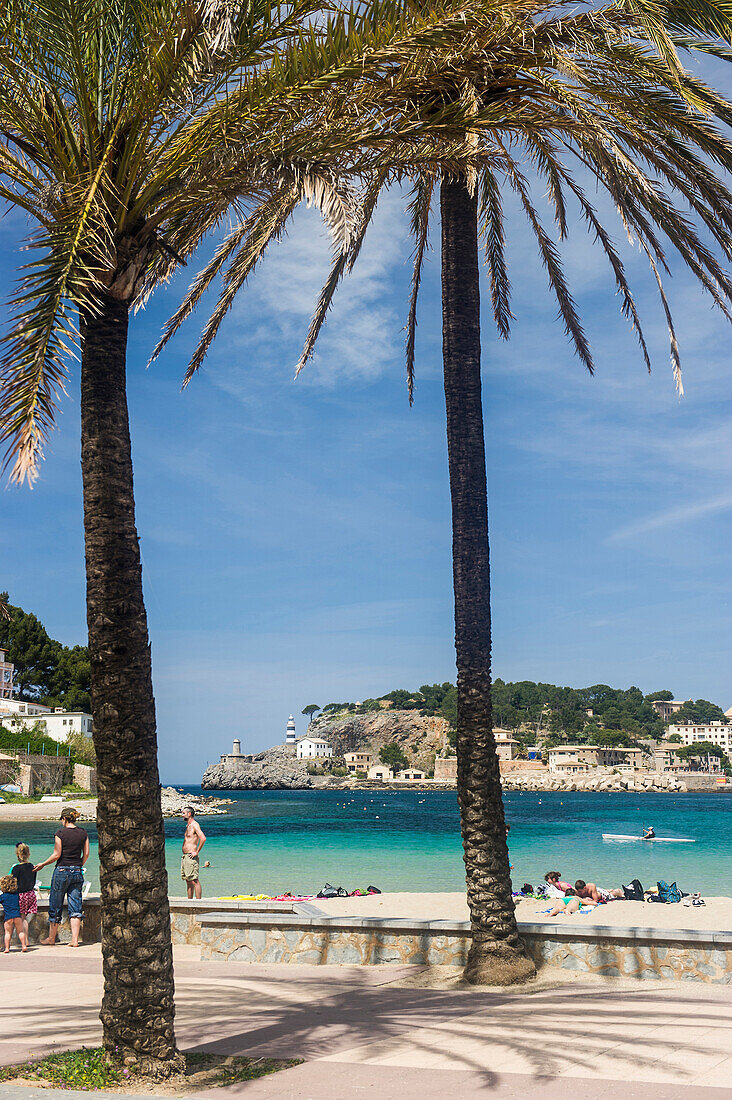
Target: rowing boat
(664, 839)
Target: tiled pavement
(362, 1033)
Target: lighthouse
(290, 737)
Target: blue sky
(296, 535)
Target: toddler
(25, 876)
(11, 905)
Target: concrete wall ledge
(401, 925)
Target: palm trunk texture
(496, 956)
(137, 1007)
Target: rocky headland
(276, 769)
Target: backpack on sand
(668, 893)
(634, 892)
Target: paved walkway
(368, 1031)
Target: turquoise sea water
(273, 841)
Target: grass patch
(95, 1069)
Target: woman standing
(70, 853)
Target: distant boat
(664, 839)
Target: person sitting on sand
(11, 912)
(555, 887)
(649, 832)
(570, 903)
(25, 876)
(590, 892)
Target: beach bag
(373, 890)
(667, 893)
(527, 888)
(634, 892)
(328, 891)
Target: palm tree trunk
(137, 1008)
(497, 956)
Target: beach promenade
(396, 1031)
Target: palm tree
(128, 131)
(598, 95)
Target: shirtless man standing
(193, 841)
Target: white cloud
(362, 337)
(674, 517)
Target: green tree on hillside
(393, 757)
(699, 710)
(46, 671)
(310, 711)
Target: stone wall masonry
(308, 936)
(299, 932)
(85, 777)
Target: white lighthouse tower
(290, 738)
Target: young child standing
(11, 916)
(25, 876)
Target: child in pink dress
(26, 878)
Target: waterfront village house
(506, 747)
(313, 748)
(6, 676)
(412, 773)
(358, 761)
(572, 759)
(666, 760)
(667, 707)
(719, 733)
(381, 771)
(57, 724)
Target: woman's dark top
(72, 846)
(25, 876)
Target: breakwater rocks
(652, 781)
(173, 802)
(276, 769)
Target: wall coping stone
(399, 925)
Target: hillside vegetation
(536, 711)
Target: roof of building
(594, 748)
(315, 740)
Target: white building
(719, 733)
(412, 773)
(381, 771)
(313, 748)
(574, 759)
(56, 724)
(6, 676)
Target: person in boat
(649, 832)
(590, 892)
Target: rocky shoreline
(173, 802)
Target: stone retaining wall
(308, 936)
(299, 932)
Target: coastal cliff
(418, 736)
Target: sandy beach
(46, 811)
(716, 914)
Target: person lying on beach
(590, 892)
(555, 887)
(570, 903)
